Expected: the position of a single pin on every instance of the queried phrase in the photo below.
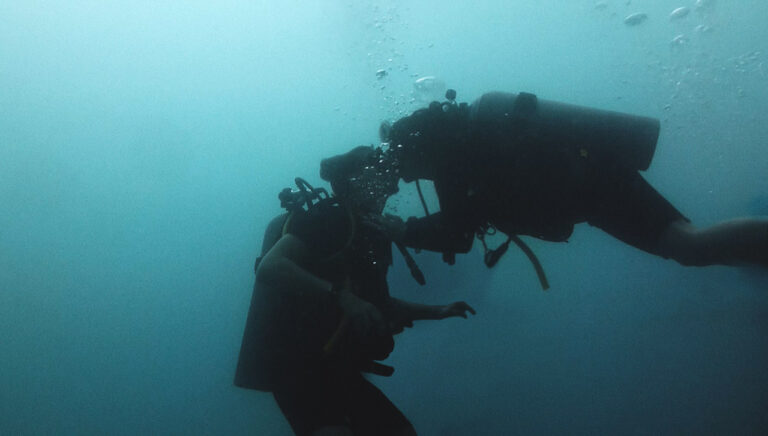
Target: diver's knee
(681, 242)
(686, 256)
(689, 259)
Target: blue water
(142, 146)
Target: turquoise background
(143, 144)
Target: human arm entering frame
(404, 313)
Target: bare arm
(435, 233)
(405, 312)
(427, 233)
(282, 270)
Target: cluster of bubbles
(378, 178)
(385, 58)
(402, 90)
(692, 71)
(634, 19)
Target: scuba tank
(622, 139)
(443, 131)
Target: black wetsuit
(282, 351)
(535, 173)
(546, 206)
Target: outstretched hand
(458, 308)
(404, 313)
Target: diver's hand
(458, 308)
(391, 225)
(362, 318)
(399, 322)
(403, 313)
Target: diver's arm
(282, 270)
(427, 233)
(433, 233)
(405, 312)
(452, 228)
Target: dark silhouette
(321, 312)
(526, 166)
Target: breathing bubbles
(679, 40)
(635, 19)
(679, 13)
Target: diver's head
(364, 177)
(420, 141)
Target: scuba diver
(321, 312)
(525, 166)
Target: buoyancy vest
(284, 336)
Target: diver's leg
(371, 412)
(313, 404)
(630, 209)
(731, 242)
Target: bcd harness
(307, 197)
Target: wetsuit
(536, 169)
(282, 350)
